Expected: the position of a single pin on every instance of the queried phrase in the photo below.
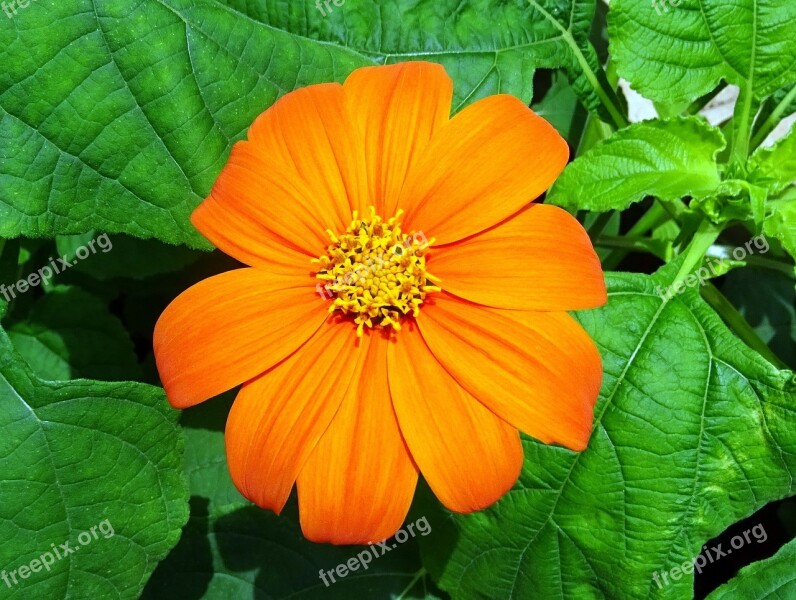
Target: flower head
(403, 309)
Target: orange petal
(469, 456)
(358, 483)
(397, 109)
(539, 371)
(539, 259)
(243, 238)
(481, 167)
(232, 327)
(293, 179)
(278, 418)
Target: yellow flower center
(375, 272)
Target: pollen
(376, 273)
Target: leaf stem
(421, 573)
(706, 234)
(654, 216)
(596, 228)
(741, 128)
(638, 244)
(606, 97)
(739, 325)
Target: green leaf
(781, 224)
(135, 108)
(667, 159)
(558, 106)
(693, 431)
(483, 58)
(775, 166)
(70, 334)
(770, 579)
(119, 116)
(679, 53)
(205, 453)
(81, 455)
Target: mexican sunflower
(403, 306)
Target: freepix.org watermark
(364, 558)
(319, 4)
(57, 552)
(43, 275)
(710, 555)
(714, 267)
(10, 6)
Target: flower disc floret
(375, 272)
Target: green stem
(773, 119)
(607, 97)
(741, 126)
(421, 573)
(739, 324)
(706, 234)
(656, 215)
(631, 244)
(599, 224)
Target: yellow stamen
(376, 273)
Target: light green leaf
(781, 224)
(770, 579)
(775, 166)
(667, 159)
(81, 455)
(693, 431)
(679, 53)
(70, 334)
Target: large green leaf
(118, 116)
(770, 579)
(679, 53)
(667, 159)
(693, 431)
(80, 455)
(484, 55)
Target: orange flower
(404, 309)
